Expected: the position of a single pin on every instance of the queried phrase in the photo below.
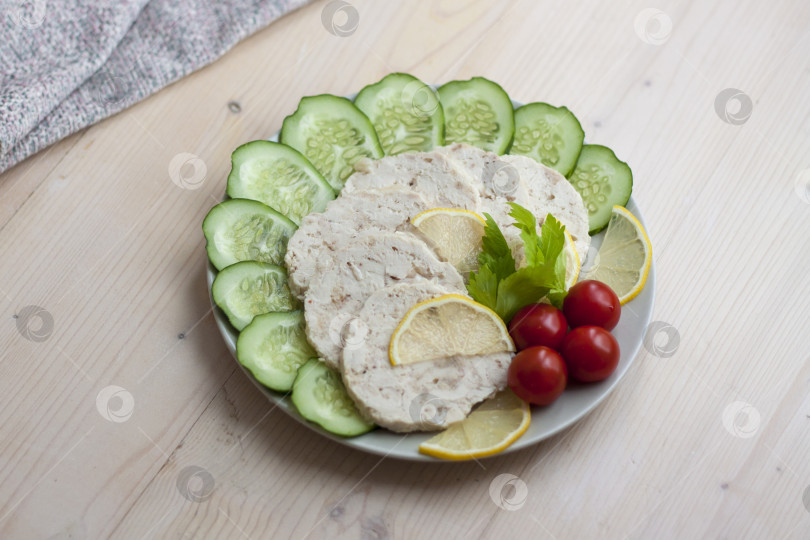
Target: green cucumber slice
(603, 181)
(405, 112)
(244, 230)
(333, 134)
(273, 346)
(319, 395)
(280, 177)
(478, 112)
(550, 135)
(246, 289)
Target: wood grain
(95, 232)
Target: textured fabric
(67, 64)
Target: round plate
(577, 400)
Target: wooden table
(708, 435)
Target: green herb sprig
(499, 285)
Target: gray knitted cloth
(66, 64)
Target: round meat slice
(345, 278)
(551, 192)
(432, 175)
(498, 182)
(493, 177)
(470, 158)
(532, 185)
(350, 215)
(426, 396)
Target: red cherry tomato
(538, 324)
(537, 375)
(591, 353)
(592, 302)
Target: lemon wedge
(489, 429)
(454, 234)
(625, 256)
(450, 325)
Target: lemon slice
(492, 427)
(625, 255)
(455, 234)
(450, 325)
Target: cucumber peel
(245, 230)
(246, 289)
(550, 135)
(320, 397)
(405, 112)
(333, 134)
(273, 346)
(280, 177)
(478, 112)
(603, 180)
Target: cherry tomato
(538, 375)
(591, 353)
(538, 324)
(592, 302)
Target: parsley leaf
(552, 244)
(526, 286)
(496, 253)
(500, 286)
(524, 220)
(483, 286)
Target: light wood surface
(94, 231)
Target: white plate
(577, 400)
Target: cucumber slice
(319, 395)
(478, 112)
(333, 134)
(551, 135)
(273, 347)
(603, 181)
(244, 230)
(246, 289)
(280, 177)
(405, 112)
